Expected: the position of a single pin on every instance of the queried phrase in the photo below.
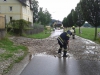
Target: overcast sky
(58, 8)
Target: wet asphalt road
(50, 65)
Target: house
(58, 24)
(17, 9)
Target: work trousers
(64, 45)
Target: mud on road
(79, 48)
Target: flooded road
(83, 57)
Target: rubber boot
(64, 55)
(59, 51)
(73, 36)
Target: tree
(44, 17)
(64, 22)
(35, 10)
(47, 17)
(70, 20)
(91, 12)
(41, 18)
(79, 16)
(75, 17)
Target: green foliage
(5, 41)
(35, 9)
(91, 12)
(70, 20)
(65, 22)
(8, 45)
(44, 17)
(75, 17)
(80, 18)
(37, 26)
(99, 40)
(6, 56)
(19, 24)
(9, 51)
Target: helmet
(73, 26)
(69, 32)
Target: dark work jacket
(64, 37)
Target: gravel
(79, 48)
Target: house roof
(24, 2)
(58, 22)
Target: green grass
(9, 50)
(88, 33)
(9, 46)
(41, 35)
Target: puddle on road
(90, 49)
(88, 42)
(41, 54)
(44, 54)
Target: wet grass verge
(41, 35)
(10, 54)
(88, 33)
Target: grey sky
(58, 8)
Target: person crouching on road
(63, 41)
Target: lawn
(12, 52)
(42, 35)
(88, 33)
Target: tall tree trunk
(79, 30)
(95, 33)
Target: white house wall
(27, 13)
(18, 10)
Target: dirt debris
(80, 49)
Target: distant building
(57, 24)
(16, 9)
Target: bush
(18, 25)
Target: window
(4, 0)
(10, 18)
(10, 8)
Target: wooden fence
(2, 26)
(2, 21)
